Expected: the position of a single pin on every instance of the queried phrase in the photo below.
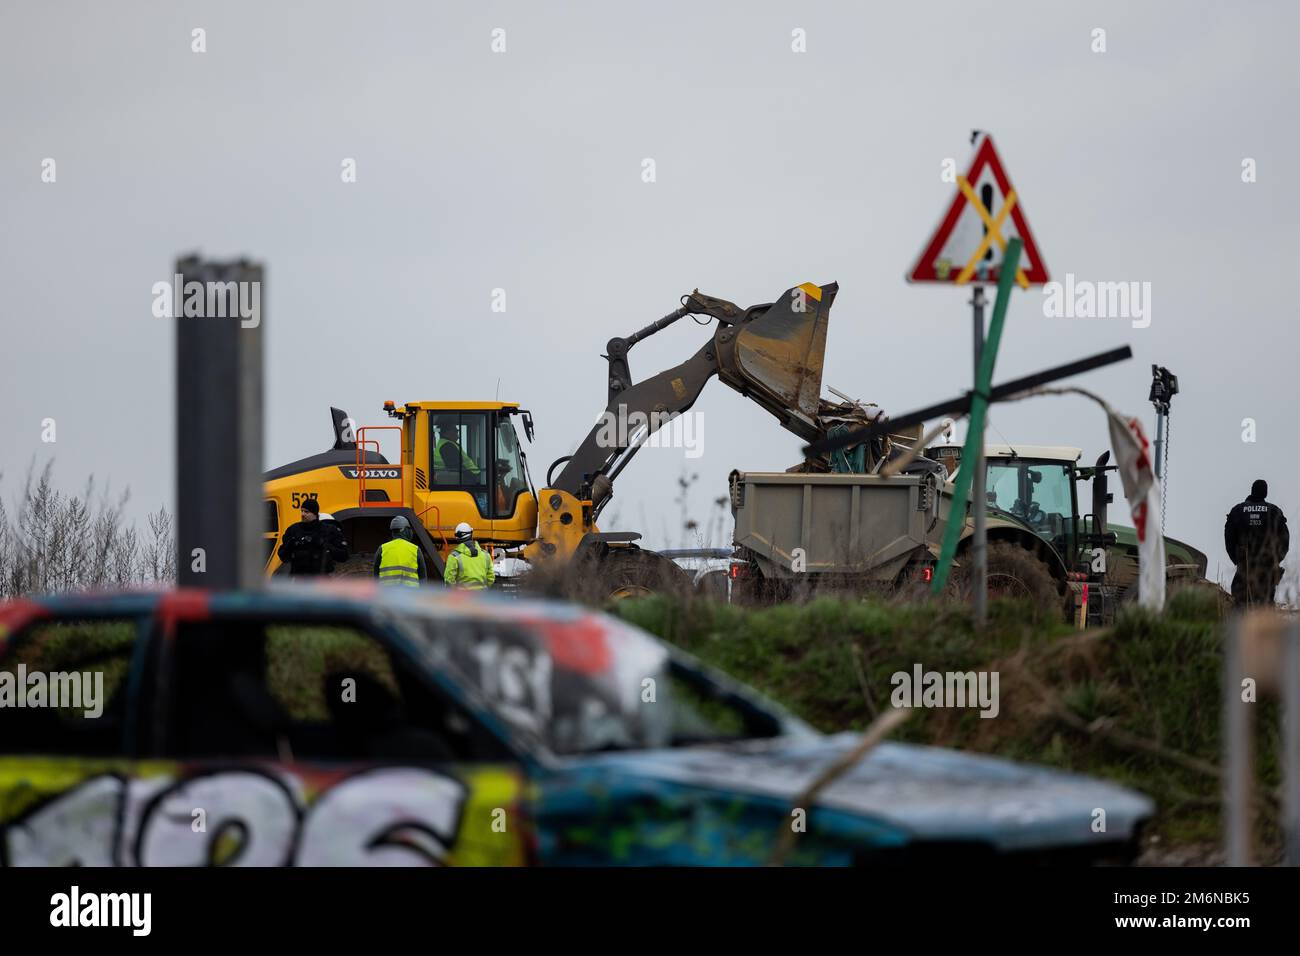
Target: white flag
(1133, 456)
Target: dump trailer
(800, 532)
(852, 529)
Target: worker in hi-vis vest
(468, 565)
(399, 561)
(447, 453)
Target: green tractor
(1039, 541)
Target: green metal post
(978, 415)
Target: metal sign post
(217, 308)
(979, 542)
(1238, 762)
(1260, 648)
(971, 246)
(980, 398)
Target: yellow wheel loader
(462, 461)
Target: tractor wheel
(630, 572)
(1015, 572)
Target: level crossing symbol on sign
(968, 245)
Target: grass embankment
(1138, 703)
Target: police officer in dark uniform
(311, 546)
(1257, 540)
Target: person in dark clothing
(1257, 540)
(312, 546)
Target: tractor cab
(1037, 487)
(1045, 488)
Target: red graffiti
(580, 648)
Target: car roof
(365, 597)
(329, 595)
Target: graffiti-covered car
(340, 724)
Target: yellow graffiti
(491, 830)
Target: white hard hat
(463, 531)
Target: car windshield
(592, 683)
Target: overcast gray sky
(522, 170)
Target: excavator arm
(771, 353)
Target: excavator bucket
(775, 358)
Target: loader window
(460, 454)
(510, 479)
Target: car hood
(922, 793)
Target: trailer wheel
(715, 586)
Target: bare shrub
(54, 541)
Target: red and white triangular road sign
(986, 212)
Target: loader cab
(471, 467)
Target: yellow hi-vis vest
(466, 462)
(399, 562)
(469, 571)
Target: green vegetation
(298, 660)
(1137, 703)
(86, 646)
